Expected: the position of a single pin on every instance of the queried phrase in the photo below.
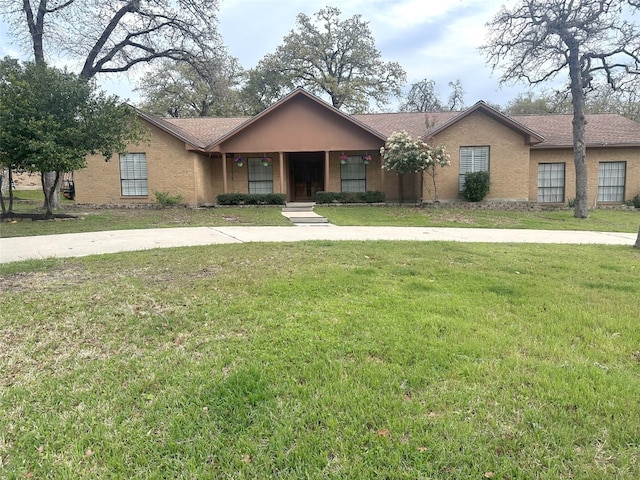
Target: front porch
(300, 175)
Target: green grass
(94, 220)
(321, 359)
(91, 220)
(599, 220)
(32, 195)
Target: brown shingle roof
(413, 123)
(603, 129)
(207, 129)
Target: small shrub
(635, 201)
(476, 186)
(373, 196)
(571, 203)
(350, 197)
(251, 199)
(166, 199)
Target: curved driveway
(81, 244)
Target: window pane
(353, 175)
(611, 181)
(133, 174)
(551, 182)
(472, 159)
(260, 176)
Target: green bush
(252, 199)
(635, 201)
(166, 199)
(476, 185)
(350, 197)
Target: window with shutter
(472, 159)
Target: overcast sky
(434, 39)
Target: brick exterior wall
(594, 156)
(170, 168)
(508, 159)
(197, 177)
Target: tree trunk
(50, 188)
(6, 183)
(10, 187)
(435, 185)
(581, 209)
(36, 28)
(637, 245)
(51, 183)
(401, 188)
(4, 209)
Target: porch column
(326, 171)
(225, 187)
(282, 187)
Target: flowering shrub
(404, 154)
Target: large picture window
(472, 159)
(551, 182)
(260, 175)
(133, 174)
(611, 179)
(353, 175)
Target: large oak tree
(334, 57)
(587, 40)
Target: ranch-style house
(301, 145)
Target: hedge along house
(301, 145)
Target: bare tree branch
(99, 35)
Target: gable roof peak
(298, 91)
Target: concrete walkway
(81, 244)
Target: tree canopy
(403, 154)
(334, 57)
(599, 99)
(113, 36)
(587, 40)
(180, 89)
(51, 120)
(422, 97)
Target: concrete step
(298, 207)
(304, 217)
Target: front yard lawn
(322, 359)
